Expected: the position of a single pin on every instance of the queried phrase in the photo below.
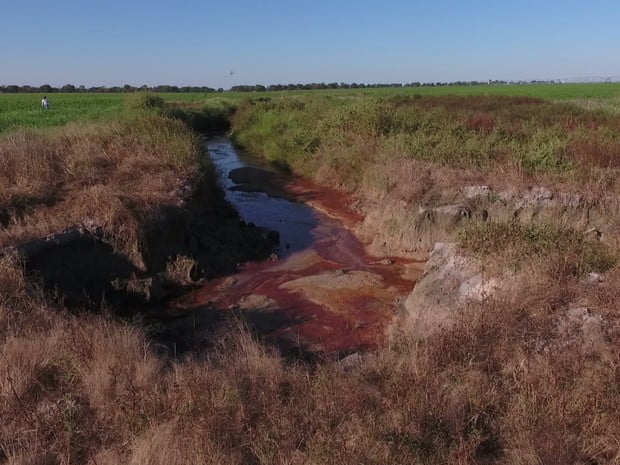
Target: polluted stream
(320, 293)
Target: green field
(24, 110)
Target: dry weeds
(112, 174)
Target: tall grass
(112, 173)
(343, 139)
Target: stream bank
(321, 292)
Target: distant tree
(67, 88)
(46, 89)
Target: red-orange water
(316, 318)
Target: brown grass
(113, 174)
(509, 383)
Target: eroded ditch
(322, 293)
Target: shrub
(144, 101)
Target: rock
(583, 314)
(227, 283)
(449, 282)
(257, 302)
(344, 292)
(477, 288)
(350, 361)
(473, 192)
(538, 195)
(399, 229)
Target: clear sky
(192, 42)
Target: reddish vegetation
(482, 122)
(458, 103)
(604, 153)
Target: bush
(144, 101)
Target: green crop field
(24, 110)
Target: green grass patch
(24, 109)
(539, 136)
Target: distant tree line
(47, 89)
(311, 86)
(354, 85)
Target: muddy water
(322, 293)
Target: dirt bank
(194, 235)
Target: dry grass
(509, 383)
(508, 243)
(113, 174)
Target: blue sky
(195, 42)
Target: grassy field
(24, 110)
(527, 376)
(343, 141)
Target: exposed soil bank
(324, 293)
(200, 237)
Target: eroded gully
(322, 293)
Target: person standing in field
(45, 103)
